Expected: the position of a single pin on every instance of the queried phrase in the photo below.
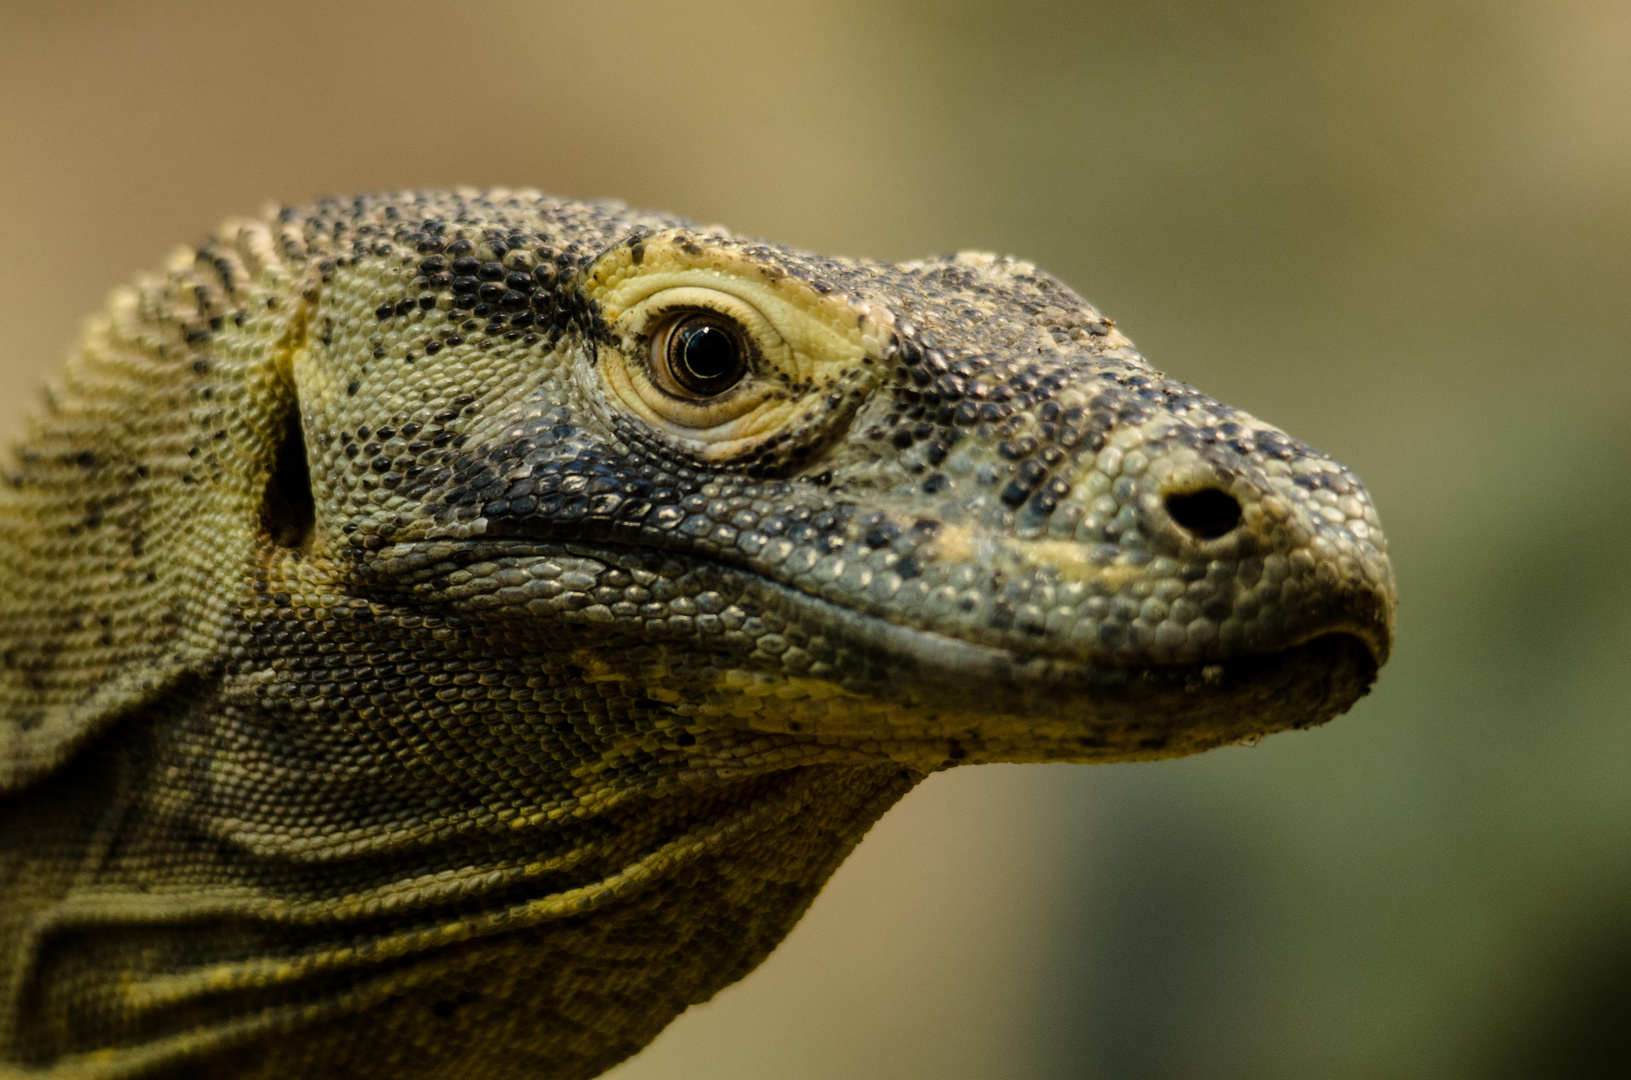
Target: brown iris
(701, 353)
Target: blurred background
(1401, 230)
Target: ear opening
(289, 513)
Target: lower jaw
(984, 703)
(1151, 713)
(930, 717)
(928, 700)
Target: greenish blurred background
(1401, 230)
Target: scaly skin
(399, 678)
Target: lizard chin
(922, 698)
(1043, 710)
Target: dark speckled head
(945, 504)
(449, 633)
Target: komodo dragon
(446, 634)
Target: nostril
(1207, 514)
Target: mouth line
(885, 652)
(931, 658)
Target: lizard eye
(699, 354)
(695, 361)
(722, 354)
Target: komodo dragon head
(456, 631)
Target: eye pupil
(707, 352)
(705, 356)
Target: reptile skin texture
(407, 671)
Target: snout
(1179, 551)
